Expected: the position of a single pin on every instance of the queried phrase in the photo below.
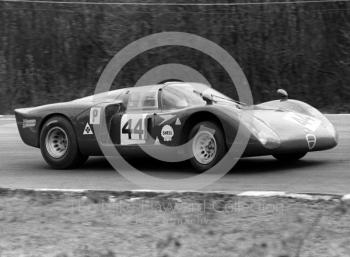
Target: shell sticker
(167, 133)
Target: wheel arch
(200, 116)
(49, 116)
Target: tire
(289, 157)
(199, 133)
(58, 144)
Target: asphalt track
(326, 172)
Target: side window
(149, 101)
(143, 100)
(134, 100)
(173, 100)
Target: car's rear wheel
(58, 144)
(290, 157)
(207, 145)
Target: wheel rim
(204, 147)
(56, 142)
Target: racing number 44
(138, 129)
(132, 129)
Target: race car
(173, 114)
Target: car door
(134, 125)
(169, 118)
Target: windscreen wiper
(223, 98)
(231, 100)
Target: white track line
(262, 193)
(259, 194)
(286, 195)
(7, 118)
(346, 197)
(57, 190)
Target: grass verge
(105, 224)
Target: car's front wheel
(58, 144)
(207, 145)
(290, 157)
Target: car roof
(159, 86)
(165, 84)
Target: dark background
(56, 52)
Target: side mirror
(282, 94)
(207, 97)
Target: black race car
(172, 114)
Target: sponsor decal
(167, 133)
(311, 140)
(28, 123)
(177, 122)
(87, 130)
(156, 142)
(95, 115)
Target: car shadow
(269, 164)
(247, 166)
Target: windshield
(180, 95)
(177, 96)
(217, 94)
